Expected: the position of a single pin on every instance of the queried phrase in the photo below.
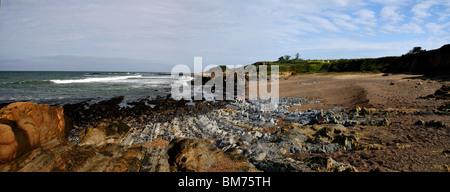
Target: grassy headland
(416, 61)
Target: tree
(287, 57)
(297, 56)
(416, 50)
(281, 58)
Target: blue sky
(143, 35)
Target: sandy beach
(404, 146)
(363, 90)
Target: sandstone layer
(24, 126)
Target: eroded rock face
(8, 143)
(24, 126)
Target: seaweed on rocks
(4, 105)
(143, 110)
(83, 113)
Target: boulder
(420, 123)
(190, 155)
(8, 143)
(106, 131)
(437, 124)
(334, 166)
(24, 126)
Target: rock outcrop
(106, 131)
(189, 155)
(77, 158)
(223, 136)
(24, 126)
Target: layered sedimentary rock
(24, 126)
(237, 137)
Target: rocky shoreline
(163, 135)
(238, 129)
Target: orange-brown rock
(8, 143)
(24, 126)
(286, 74)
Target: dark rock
(282, 165)
(441, 94)
(420, 123)
(437, 124)
(310, 164)
(445, 107)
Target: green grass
(298, 67)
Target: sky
(149, 35)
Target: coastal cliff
(432, 62)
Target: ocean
(58, 88)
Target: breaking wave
(97, 79)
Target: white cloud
(407, 28)
(390, 14)
(366, 17)
(222, 31)
(391, 2)
(421, 10)
(411, 28)
(343, 21)
(342, 3)
(321, 23)
(444, 15)
(438, 28)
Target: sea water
(71, 87)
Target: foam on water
(91, 80)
